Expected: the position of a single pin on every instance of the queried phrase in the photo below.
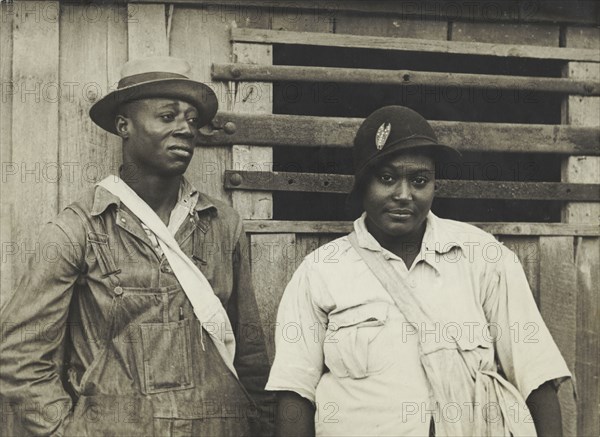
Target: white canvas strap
(207, 306)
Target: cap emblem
(382, 135)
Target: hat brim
(441, 153)
(203, 98)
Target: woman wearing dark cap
(417, 325)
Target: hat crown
(156, 64)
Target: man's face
(398, 196)
(161, 134)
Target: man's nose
(184, 128)
(402, 191)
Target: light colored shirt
(343, 344)
(187, 198)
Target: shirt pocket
(166, 356)
(350, 349)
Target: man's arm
(33, 329)
(545, 410)
(295, 416)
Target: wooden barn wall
(57, 59)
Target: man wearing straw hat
(145, 322)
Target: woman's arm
(295, 416)
(545, 410)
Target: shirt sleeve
(525, 348)
(33, 330)
(299, 336)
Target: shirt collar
(104, 198)
(436, 237)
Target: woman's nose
(402, 191)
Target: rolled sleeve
(299, 337)
(526, 350)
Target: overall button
(166, 268)
(412, 284)
(118, 291)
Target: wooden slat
(6, 78)
(34, 123)
(506, 33)
(273, 263)
(582, 112)
(506, 10)
(390, 25)
(414, 45)
(147, 30)
(308, 131)
(458, 189)
(201, 39)
(96, 51)
(344, 227)
(558, 305)
(587, 367)
(240, 72)
(252, 205)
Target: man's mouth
(400, 213)
(181, 149)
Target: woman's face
(398, 196)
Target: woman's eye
(386, 178)
(420, 180)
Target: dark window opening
(444, 102)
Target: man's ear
(122, 125)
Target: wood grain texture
(6, 93)
(34, 124)
(558, 305)
(496, 228)
(415, 45)
(581, 111)
(460, 189)
(527, 250)
(273, 264)
(587, 367)
(299, 20)
(253, 98)
(92, 52)
(506, 33)
(390, 25)
(245, 73)
(202, 39)
(310, 131)
(147, 31)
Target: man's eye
(420, 180)
(168, 117)
(193, 121)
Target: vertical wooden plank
(585, 111)
(203, 39)
(273, 264)
(587, 367)
(390, 26)
(506, 33)
(147, 32)
(6, 94)
(528, 253)
(34, 187)
(255, 98)
(93, 51)
(558, 305)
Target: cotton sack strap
(449, 371)
(207, 306)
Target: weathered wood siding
(58, 58)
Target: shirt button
(122, 220)
(118, 291)
(166, 268)
(412, 284)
